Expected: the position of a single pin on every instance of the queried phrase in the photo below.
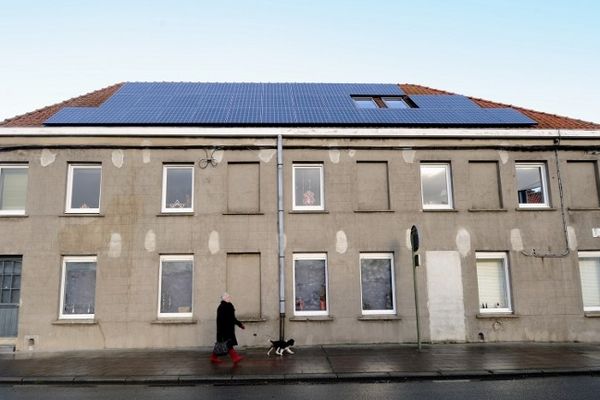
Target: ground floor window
(310, 284)
(176, 284)
(493, 282)
(78, 287)
(589, 272)
(377, 283)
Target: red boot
(235, 357)
(214, 359)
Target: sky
(538, 54)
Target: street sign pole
(414, 242)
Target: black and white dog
(280, 346)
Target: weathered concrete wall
(130, 234)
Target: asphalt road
(555, 388)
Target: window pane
(434, 185)
(529, 185)
(589, 269)
(364, 102)
(80, 288)
(86, 188)
(376, 284)
(13, 188)
(311, 291)
(395, 102)
(308, 186)
(176, 287)
(179, 188)
(491, 279)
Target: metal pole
(281, 250)
(414, 263)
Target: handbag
(221, 348)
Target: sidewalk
(309, 364)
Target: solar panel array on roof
(278, 104)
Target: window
(531, 185)
(493, 283)
(365, 102)
(377, 283)
(373, 102)
(83, 188)
(78, 283)
(176, 284)
(589, 272)
(308, 187)
(436, 186)
(178, 188)
(13, 189)
(310, 284)
(395, 102)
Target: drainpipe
(281, 237)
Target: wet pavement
(317, 363)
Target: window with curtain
(436, 186)
(377, 283)
(13, 189)
(310, 284)
(178, 188)
(78, 287)
(176, 285)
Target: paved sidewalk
(309, 364)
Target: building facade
(123, 230)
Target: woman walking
(226, 322)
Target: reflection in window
(531, 187)
(176, 285)
(13, 189)
(395, 102)
(84, 188)
(377, 283)
(436, 186)
(310, 284)
(493, 283)
(308, 193)
(78, 287)
(364, 102)
(178, 188)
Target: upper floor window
(532, 188)
(373, 102)
(83, 188)
(436, 186)
(395, 102)
(78, 287)
(13, 189)
(308, 187)
(493, 282)
(589, 272)
(365, 102)
(178, 188)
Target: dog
(280, 346)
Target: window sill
(177, 214)
(175, 321)
(315, 318)
(583, 208)
(382, 317)
(591, 314)
(68, 215)
(243, 213)
(449, 210)
(535, 209)
(487, 210)
(496, 315)
(374, 211)
(308, 212)
(251, 320)
(75, 322)
(14, 215)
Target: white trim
(378, 256)
(163, 206)
(580, 255)
(321, 188)
(70, 259)
(164, 258)
(542, 168)
(15, 166)
(142, 131)
(447, 169)
(68, 208)
(310, 256)
(484, 255)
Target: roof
(284, 104)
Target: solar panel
(290, 104)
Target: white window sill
(175, 321)
(381, 317)
(314, 318)
(75, 321)
(496, 315)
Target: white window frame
(542, 168)
(164, 258)
(164, 208)
(378, 256)
(68, 208)
(448, 170)
(580, 255)
(15, 166)
(310, 256)
(67, 259)
(301, 207)
(484, 255)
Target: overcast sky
(536, 54)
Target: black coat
(226, 323)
